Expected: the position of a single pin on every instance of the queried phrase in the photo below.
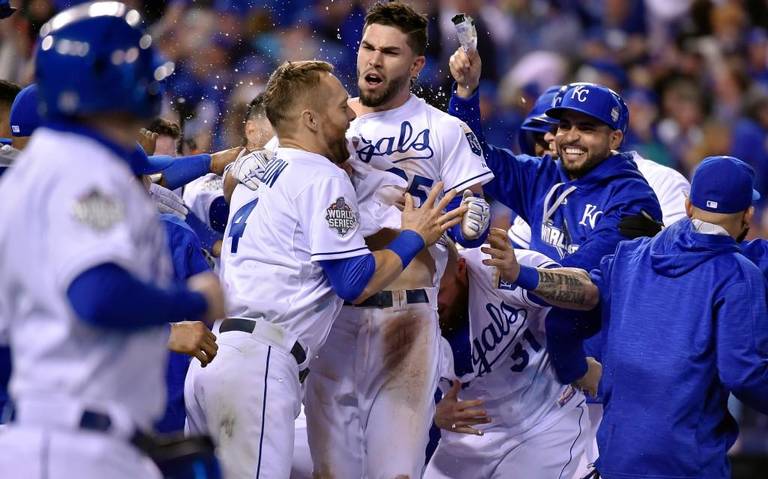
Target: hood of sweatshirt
(679, 248)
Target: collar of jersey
(135, 158)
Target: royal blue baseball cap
(6, 10)
(25, 116)
(723, 184)
(537, 120)
(594, 100)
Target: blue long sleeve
(108, 296)
(185, 169)
(566, 332)
(205, 234)
(349, 276)
(742, 341)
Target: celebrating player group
(337, 299)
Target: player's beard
(743, 234)
(577, 171)
(394, 86)
(339, 151)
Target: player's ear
(616, 138)
(310, 120)
(749, 214)
(417, 66)
(688, 207)
(461, 267)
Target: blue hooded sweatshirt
(574, 222)
(685, 322)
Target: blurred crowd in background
(693, 72)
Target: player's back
(661, 352)
(72, 204)
(512, 371)
(304, 211)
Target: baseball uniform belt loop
(385, 299)
(270, 332)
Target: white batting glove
(250, 167)
(167, 201)
(477, 217)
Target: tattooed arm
(569, 288)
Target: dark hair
(404, 18)
(8, 92)
(255, 107)
(161, 126)
(291, 82)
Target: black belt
(248, 325)
(98, 422)
(383, 299)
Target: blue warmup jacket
(757, 251)
(579, 231)
(685, 322)
(188, 260)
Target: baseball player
(85, 290)
(666, 394)
(526, 424)
(8, 92)
(290, 255)
(375, 378)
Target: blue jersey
(574, 222)
(685, 322)
(188, 260)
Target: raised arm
(569, 288)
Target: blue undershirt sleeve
(218, 214)
(108, 296)
(349, 276)
(185, 169)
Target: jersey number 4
(237, 228)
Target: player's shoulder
(656, 172)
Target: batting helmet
(24, 117)
(537, 122)
(97, 58)
(594, 100)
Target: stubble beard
(384, 96)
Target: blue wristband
(528, 278)
(407, 245)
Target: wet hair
(290, 84)
(164, 127)
(255, 108)
(404, 18)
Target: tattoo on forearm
(562, 288)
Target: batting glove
(477, 217)
(250, 167)
(167, 201)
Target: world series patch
(340, 217)
(98, 211)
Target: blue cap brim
(755, 196)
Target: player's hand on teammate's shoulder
(591, 380)
(148, 141)
(465, 69)
(193, 338)
(459, 416)
(221, 159)
(429, 221)
(167, 201)
(502, 255)
(209, 286)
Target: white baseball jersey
(72, 206)
(670, 186)
(200, 193)
(511, 371)
(425, 144)
(305, 211)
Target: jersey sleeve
(330, 215)
(462, 163)
(91, 225)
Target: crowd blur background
(693, 72)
